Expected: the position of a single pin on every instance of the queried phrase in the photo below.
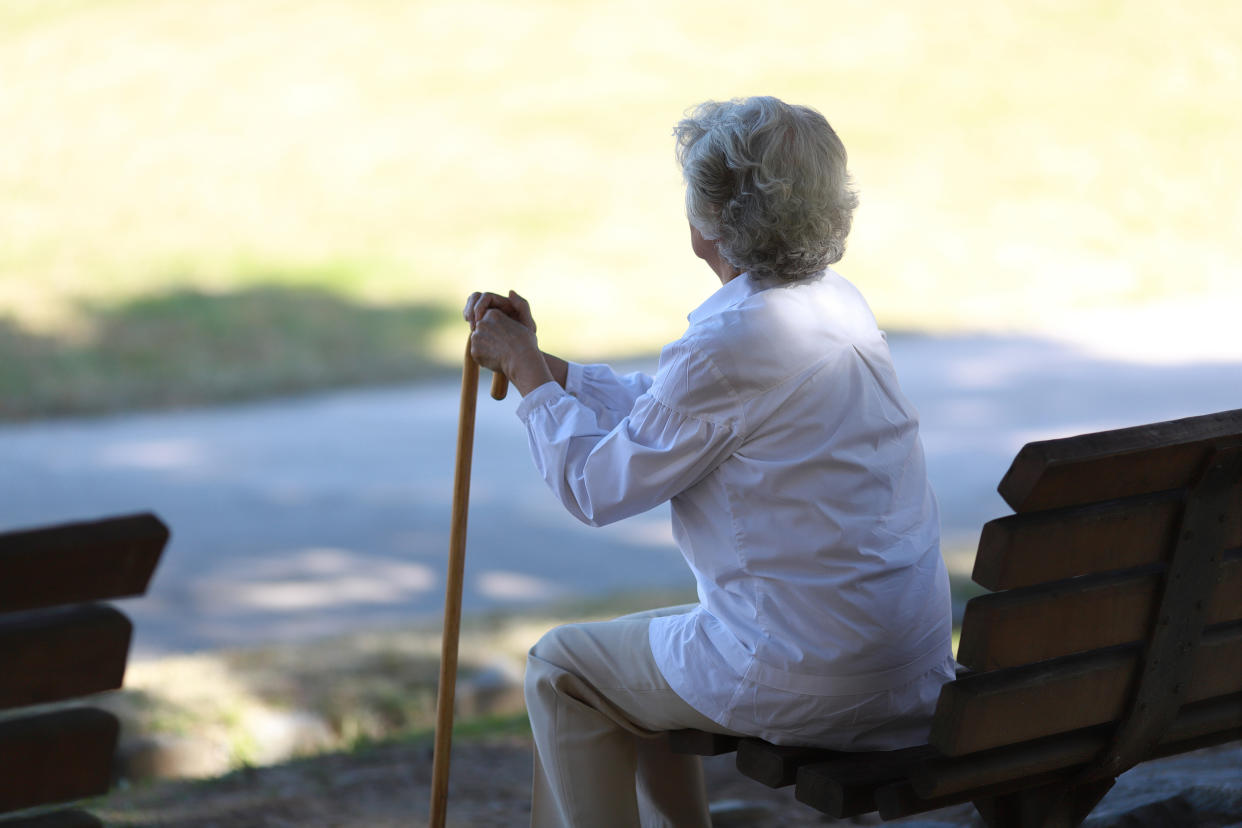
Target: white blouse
(800, 501)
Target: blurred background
(206, 203)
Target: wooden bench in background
(1113, 635)
(56, 645)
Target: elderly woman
(776, 428)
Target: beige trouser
(597, 703)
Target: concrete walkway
(317, 515)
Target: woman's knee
(553, 647)
(548, 657)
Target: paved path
(310, 516)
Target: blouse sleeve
(608, 394)
(680, 429)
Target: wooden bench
(54, 646)
(1113, 635)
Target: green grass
(183, 346)
(474, 729)
(367, 162)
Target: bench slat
(56, 757)
(1207, 722)
(845, 785)
(987, 710)
(899, 799)
(1037, 547)
(93, 560)
(1113, 464)
(701, 743)
(946, 776)
(1031, 624)
(777, 766)
(51, 655)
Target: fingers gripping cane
(453, 586)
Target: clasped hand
(503, 339)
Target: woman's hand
(513, 306)
(504, 340)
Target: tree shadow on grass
(188, 347)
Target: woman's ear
(706, 249)
(709, 251)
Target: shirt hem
(862, 683)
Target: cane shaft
(452, 592)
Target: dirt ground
(389, 786)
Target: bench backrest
(55, 645)
(1118, 595)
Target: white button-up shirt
(800, 501)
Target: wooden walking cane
(453, 584)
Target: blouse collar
(731, 293)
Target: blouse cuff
(547, 393)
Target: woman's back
(816, 540)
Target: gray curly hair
(769, 182)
